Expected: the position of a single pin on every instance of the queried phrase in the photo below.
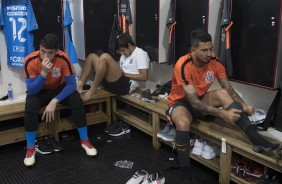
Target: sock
(30, 138)
(182, 142)
(83, 133)
(250, 130)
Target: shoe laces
(87, 143)
(30, 151)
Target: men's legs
(31, 119)
(182, 119)
(222, 98)
(259, 143)
(90, 64)
(78, 114)
(106, 68)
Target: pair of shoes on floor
(47, 144)
(118, 128)
(142, 177)
(168, 133)
(207, 150)
(88, 147)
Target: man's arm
(197, 104)
(143, 76)
(225, 84)
(192, 96)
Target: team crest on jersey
(209, 77)
(130, 61)
(56, 73)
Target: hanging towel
(70, 49)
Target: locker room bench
(147, 117)
(102, 113)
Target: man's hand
(46, 67)
(49, 111)
(231, 115)
(249, 109)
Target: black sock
(182, 142)
(250, 130)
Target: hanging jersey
(18, 22)
(125, 18)
(70, 49)
(170, 24)
(185, 72)
(61, 68)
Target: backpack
(274, 113)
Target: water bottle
(10, 92)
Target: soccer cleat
(43, 146)
(269, 149)
(146, 96)
(55, 144)
(138, 177)
(30, 156)
(164, 131)
(170, 136)
(87, 146)
(154, 179)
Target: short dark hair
(199, 35)
(123, 40)
(50, 41)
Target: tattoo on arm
(197, 104)
(225, 84)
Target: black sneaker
(147, 97)
(55, 144)
(122, 129)
(269, 149)
(42, 146)
(113, 126)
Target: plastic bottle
(10, 92)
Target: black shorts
(194, 113)
(119, 87)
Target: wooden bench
(103, 113)
(148, 116)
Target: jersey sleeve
(68, 68)
(143, 60)
(182, 75)
(221, 72)
(31, 20)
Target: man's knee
(74, 100)
(106, 57)
(222, 93)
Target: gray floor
(73, 166)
